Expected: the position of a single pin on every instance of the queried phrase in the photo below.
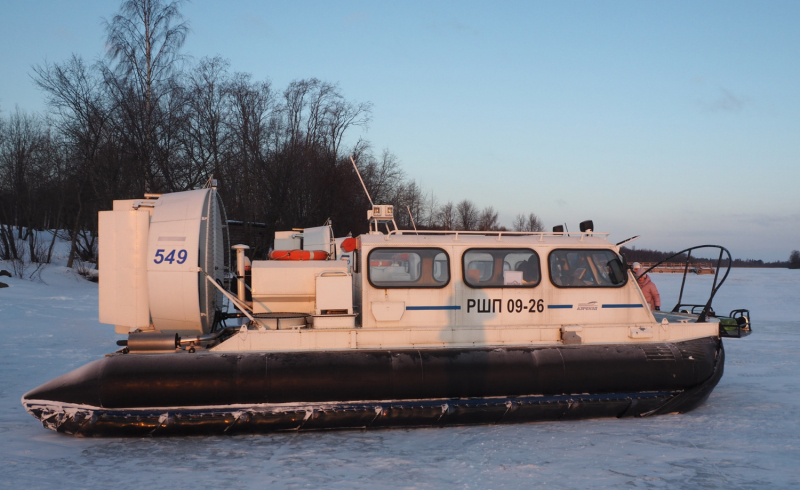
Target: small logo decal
(592, 305)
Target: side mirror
(616, 271)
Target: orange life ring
(298, 255)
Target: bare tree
(341, 115)
(488, 220)
(382, 175)
(446, 216)
(408, 198)
(430, 212)
(794, 259)
(76, 96)
(295, 104)
(177, 171)
(206, 137)
(318, 114)
(26, 173)
(145, 40)
(320, 96)
(251, 106)
(466, 215)
(534, 223)
(519, 222)
(21, 154)
(527, 223)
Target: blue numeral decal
(170, 257)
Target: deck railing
(500, 234)
(679, 267)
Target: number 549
(170, 257)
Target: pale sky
(677, 121)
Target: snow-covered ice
(746, 436)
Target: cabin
(401, 289)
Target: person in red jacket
(649, 289)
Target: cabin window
(584, 268)
(408, 268)
(501, 268)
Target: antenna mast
(362, 180)
(412, 219)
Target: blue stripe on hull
(433, 307)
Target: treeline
(646, 255)
(148, 120)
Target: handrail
(242, 307)
(333, 273)
(499, 233)
(678, 267)
(714, 287)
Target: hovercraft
(395, 329)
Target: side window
(408, 268)
(583, 268)
(501, 268)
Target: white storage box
(290, 286)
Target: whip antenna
(362, 180)
(412, 219)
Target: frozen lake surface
(747, 435)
